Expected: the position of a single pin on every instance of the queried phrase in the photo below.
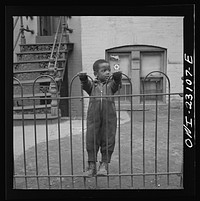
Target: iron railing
(64, 175)
(21, 31)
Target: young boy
(101, 116)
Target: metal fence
(139, 161)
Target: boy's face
(103, 72)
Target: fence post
(54, 102)
(53, 89)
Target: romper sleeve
(116, 82)
(87, 86)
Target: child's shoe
(91, 170)
(103, 169)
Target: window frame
(138, 50)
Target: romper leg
(93, 134)
(108, 133)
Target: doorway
(48, 25)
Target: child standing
(101, 116)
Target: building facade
(135, 45)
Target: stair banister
(58, 50)
(52, 72)
(54, 43)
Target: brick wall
(101, 32)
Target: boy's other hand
(117, 75)
(82, 76)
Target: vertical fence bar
(14, 179)
(70, 120)
(143, 147)
(168, 131)
(36, 157)
(131, 134)
(47, 141)
(119, 151)
(83, 148)
(156, 133)
(168, 124)
(95, 151)
(131, 137)
(125, 91)
(107, 137)
(71, 152)
(59, 149)
(35, 135)
(107, 98)
(23, 131)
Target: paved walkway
(52, 132)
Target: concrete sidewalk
(52, 130)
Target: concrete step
(40, 52)
(40, 80)
(31, 47)
(36, 61)
(39, 55)
(35, 70)
(47, 43)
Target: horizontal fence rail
(103, 96)
(52, 154)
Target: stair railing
(21, 31)
(58, 50)
(51, 59)
(52, 67)
(65, 36)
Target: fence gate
(51, 154)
